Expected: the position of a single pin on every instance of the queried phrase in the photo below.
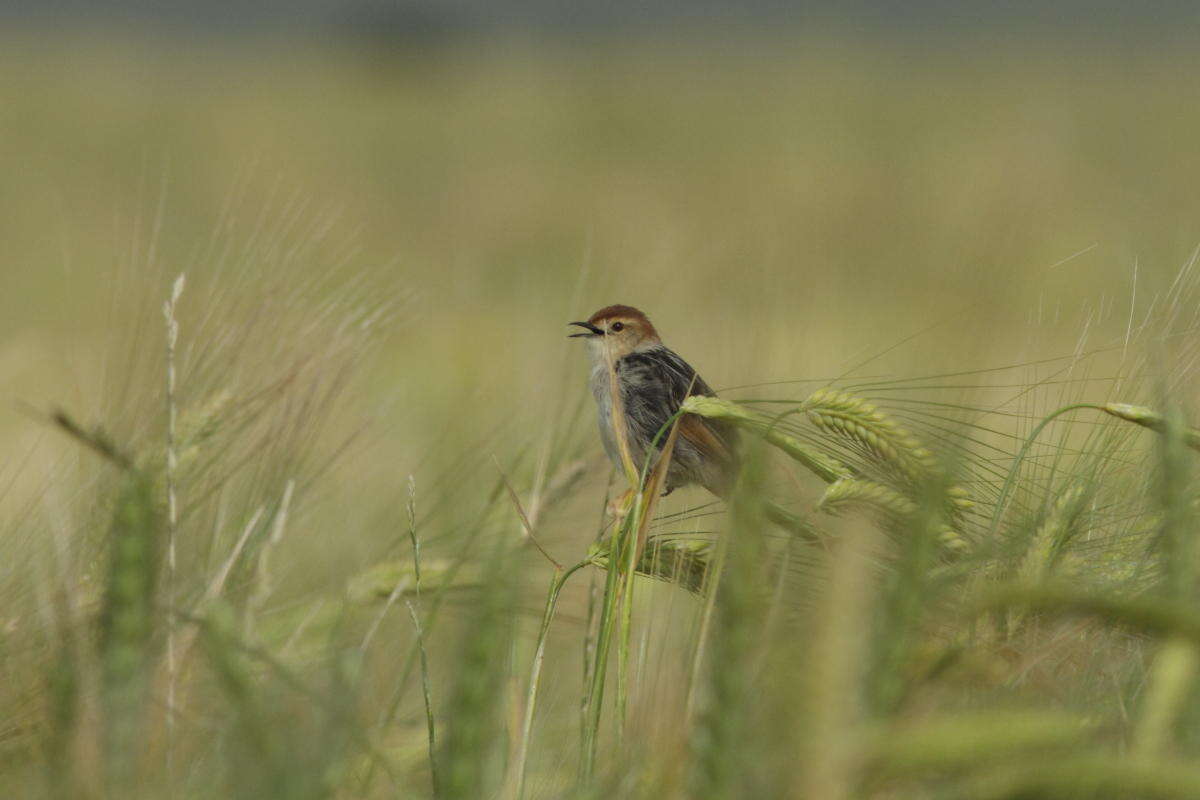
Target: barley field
(302, 493)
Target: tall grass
(908, 594)
(930, 581)
(887, 633)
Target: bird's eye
(617, 327)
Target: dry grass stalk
(526, 524)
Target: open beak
(592, 330)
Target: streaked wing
(655, 383)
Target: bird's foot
(619, 506)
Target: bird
(654, 381)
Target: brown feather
(695, 430)
(628, 314)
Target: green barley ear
(127, 621)
(716, 408)
(850, 492)
(1052, 535)
(842, 414)
(1155, 421)
(1139, 415)
(683, 561)
(127, 617)
(197, 426)
(892, 506)
(825, 467)
(892, 446)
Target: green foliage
(890, 634)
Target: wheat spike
(1149, 418)
(1050, 536)
(856, 492)
(825, 467)
(843, 414)
(849, 492)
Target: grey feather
(654, 382)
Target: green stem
(1011, 479)
(595, 697)
(626, 569)
(617, 609)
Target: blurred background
(792, 192)
(784, 188)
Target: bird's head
(619, 330)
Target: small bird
(654, 382)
